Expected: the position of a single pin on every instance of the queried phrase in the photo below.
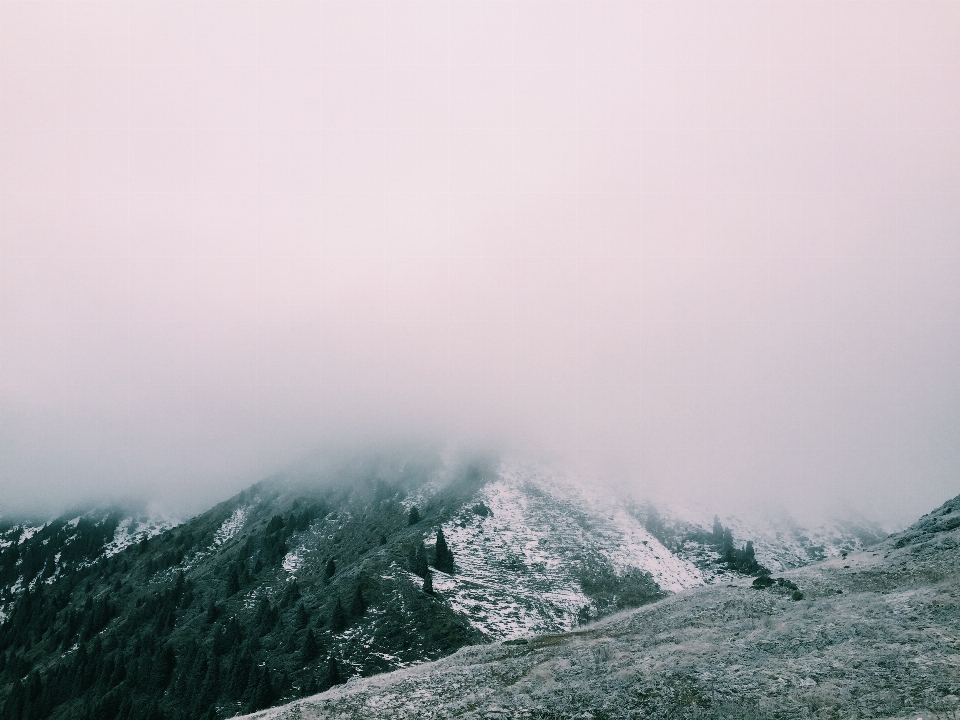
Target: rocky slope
(875, 635)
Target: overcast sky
(707, 248)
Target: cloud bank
(699, 247)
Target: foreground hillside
(875, 634)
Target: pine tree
(443, 557)
(331, 568)
(717, 531)
(417, 560)
(414, 516)
(338, 618)
(726, 546)
(359, 605)
(263, 694)
(291, 594)
(310, 648)
(333, 672)
(233, 581)
(428, 583)
(302, 617)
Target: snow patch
(292, 562)
(230, 527)
(133, 530)
(518, 568)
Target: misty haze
(343, 339)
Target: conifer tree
(417, 560)
(263, 694)
(331, 568)
(291, 594)
(443, 557)
(726, 546)
(302, 618)
(338, 618)
(310, 648)
(428, 583)
(233, 581)
(333, 672)
(414, 516)
(717, 531)
(359, 605)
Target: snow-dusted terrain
(875, 635)
(518, 563)
(136, 528)
(782, 541)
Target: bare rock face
(875, 635)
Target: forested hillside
(219, 615)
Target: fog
(703, 249)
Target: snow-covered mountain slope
(874, 635)
(781, 542)
(42, 551)
(523, 543)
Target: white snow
(132, 530)
(292, 562)
(230, 527)
(781, 541)
(517, 570)
(29, 532)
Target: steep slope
(285, 589)
(875, 635)
(40, 551)
(537, 553)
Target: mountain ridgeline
(301, 582)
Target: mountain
(875, 634)
(38, 551)
(317, 576)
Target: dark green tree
(428, 583)
(358, 606)
(417, 560)
(302, 618)
(310, 649)
(726, 546)
(443, 556)
(338, 618)
(263, 695)
(333, 672)
(233, 581)
(290, 594)
(414, 516)
(717, 531)
(330, 569)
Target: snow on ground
(29, 532)
(781, 541)
(518, 568)
(292, 562)
(621, 537)
(230, 527)
(132, 530)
